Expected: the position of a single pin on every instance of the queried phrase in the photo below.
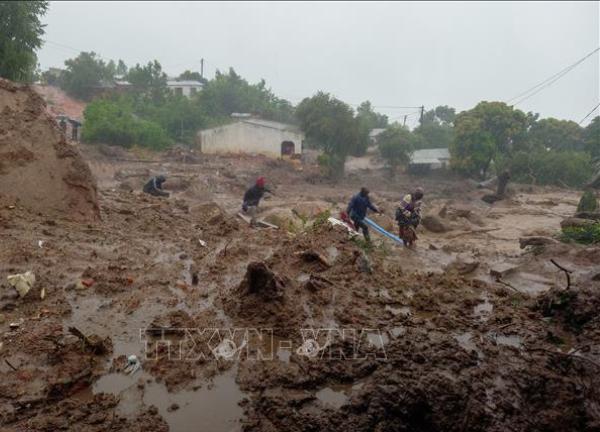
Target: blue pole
(382, 231)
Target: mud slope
(38, 169)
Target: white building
(185, 88)
(252, 136)
(426, 159)
(374, 134)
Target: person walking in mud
(252, 198)
(357, 211)
(408, 216)
(154, 186)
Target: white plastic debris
(202, 242)
(41, 243)
(22, 282)
(15, 325)
(133, 364)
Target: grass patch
(584, 235)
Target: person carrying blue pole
(357, 211)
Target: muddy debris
(262, 282)
(38, 168)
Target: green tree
(84, 74)
(329, 125)
(560, 168)
(149, 81)
(21, 34)
(396, 145)
(113, 122)
(591, 138)
(228, 93)
(121, 68)
(178, 115)
(490, 131)
(436, 129)
(367, 120)
(191, 76)
(556, 134)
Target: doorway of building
(287, 148)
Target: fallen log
(536, 241)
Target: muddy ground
(300, 328)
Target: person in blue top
(357, 211)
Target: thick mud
(300, 328)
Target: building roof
(430, 156)
(375, 132)
(271, 124)
(184, 83)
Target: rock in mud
(261, 281)
(434, 224)
(573, 222)
(39, 170)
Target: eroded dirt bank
(296, 329)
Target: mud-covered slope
(39, 170)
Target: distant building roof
(263, 123)
(430, 156)
(185, 83)
(375, 132)
(271, 124)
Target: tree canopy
(329, 125)
(436, 129)
(396, 145)
(551, 133)
(21, 34)
(84, 74)
(591, 138)
(490, 131)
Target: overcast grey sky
(391, 53)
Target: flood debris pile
(39, 170)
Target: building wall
(185, 90)
(247, 138)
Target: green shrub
(113, 122)
(586, 235)
(561, 168)
(588, 202)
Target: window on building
(179, 91)
(193, 90)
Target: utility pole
(404, 124)
(422, 112)
(202, 68)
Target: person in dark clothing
(253, 196)
(357, 211)
(154, 186)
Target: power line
(549, 81)
(589, 114)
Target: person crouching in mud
(408, 216)
(357, 211)
(252, 198)
(154, 186)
